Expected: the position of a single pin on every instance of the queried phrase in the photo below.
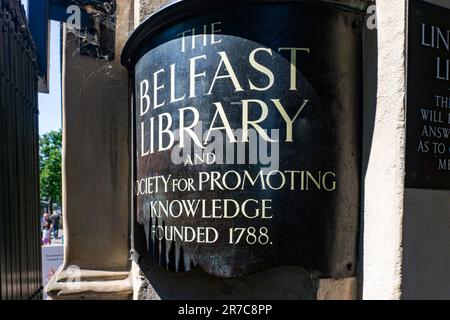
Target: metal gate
(20, 255)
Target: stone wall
(96, 175)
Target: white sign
(52, 259)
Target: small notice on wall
(428, 97)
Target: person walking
(56, 219)
(46, 230)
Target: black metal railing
(20, 254)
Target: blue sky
(50, 104)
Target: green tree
(50, 158)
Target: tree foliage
(50, 158)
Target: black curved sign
(428, 97)
(247, 140)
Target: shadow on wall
(279, 283)
(426, 240)
(370, 89)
